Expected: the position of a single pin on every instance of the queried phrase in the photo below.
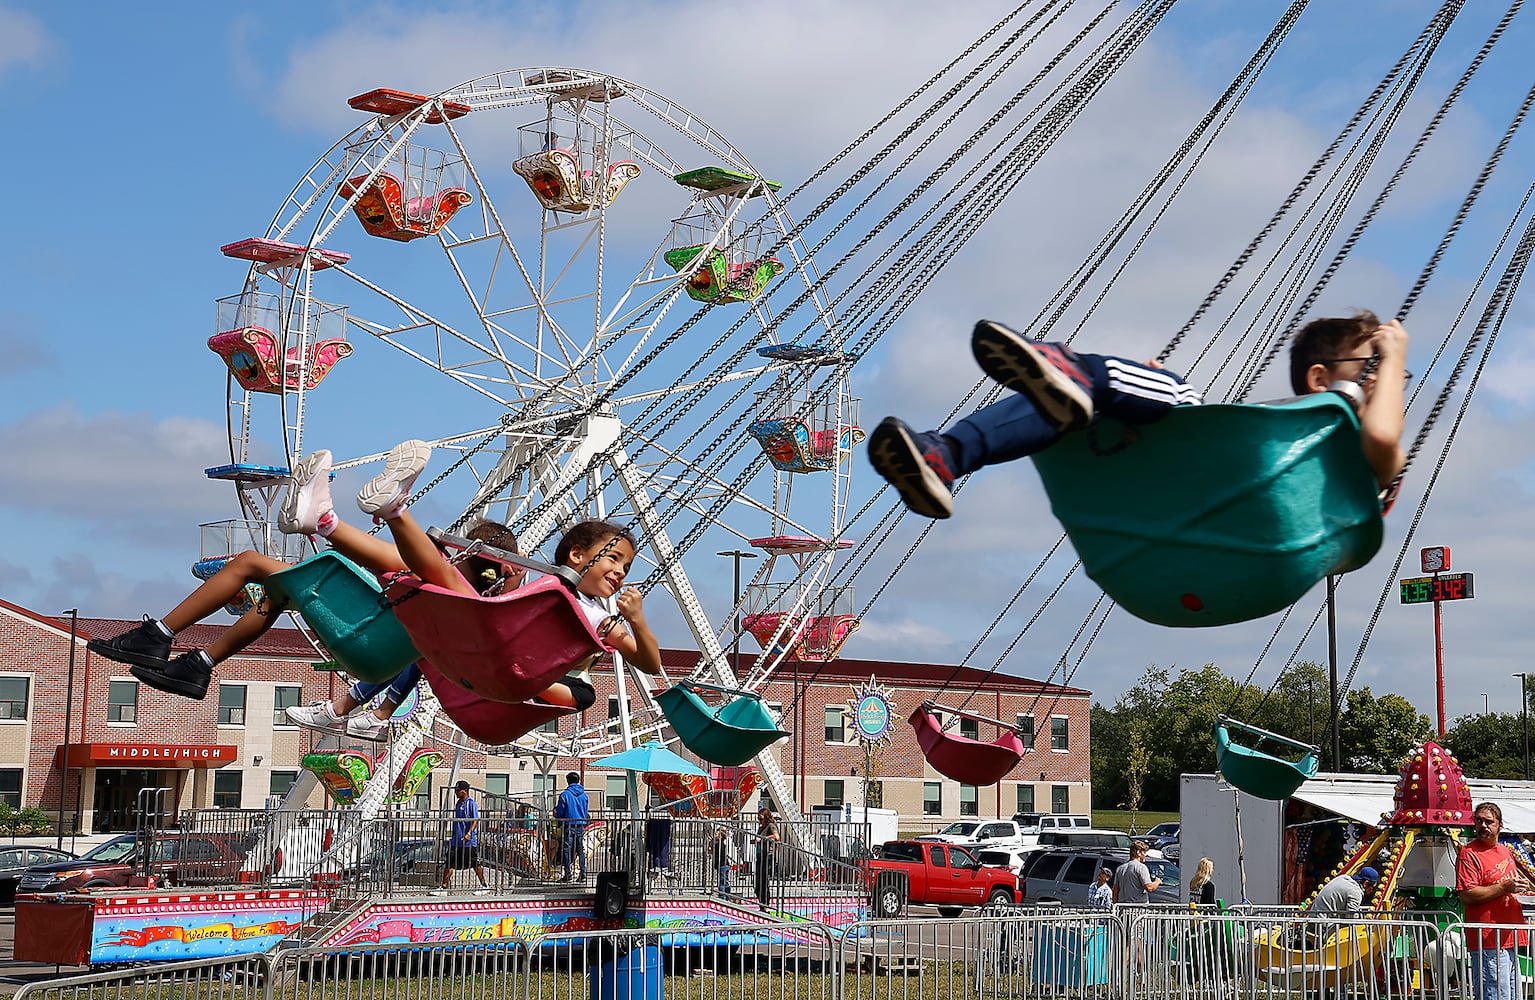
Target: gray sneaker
(1048, 374)
(385, 494)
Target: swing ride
(548, 291)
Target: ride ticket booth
(113, 774)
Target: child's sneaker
(919, 465)
(187, 675)
(385, 494)
(1049, 374)
(146, 645)
(308, 495)
(318, 716)
(368, 727)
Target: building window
(498, 784)
(10, 786)
(969, 800)
(970, 729)
(836, 724)
(284, 696)
(832, 794)
(122, 701)
(1058, 739)
(13, 697)
(282, 783)
(226, 787)
(1060, 798)
(617, 793)
(1026, 798)
(231, 705)
(1026, 730)
(932, 798)
(544, 786)
(423, 799)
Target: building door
(117, 795)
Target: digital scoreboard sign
(1441, 587)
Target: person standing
(1133, 882)
(1202, 886)
(767, 838)
(464, 840)
(719, 852)
(1101, 895)
(1487, 878)
(573, 811)
(1344, 896)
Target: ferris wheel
(598, 308)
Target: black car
(16, 860)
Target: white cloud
(24, 40)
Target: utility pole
(69, 704)
(735, 648)
(1524, 712)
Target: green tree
(1377, 733)
(1488, 746)
(1137, 760)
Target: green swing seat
(346, 607)
(1261, 774)
(727, 736)
(1217, 514)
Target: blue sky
(143, 138)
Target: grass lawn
(1119, 819)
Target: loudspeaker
(612, 899)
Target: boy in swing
(1058, 390)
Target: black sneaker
(919, 465)
(144, 646)
(1048, 374)
(187, 675)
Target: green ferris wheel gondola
(1265, 775)
(1217, 514)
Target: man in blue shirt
(573, 811)
(464, 840)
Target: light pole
(1485, 702)
(69, 704)
(1524, 712)
(736, 555)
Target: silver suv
(1064, 876)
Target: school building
(78, 732)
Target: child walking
(1058, 390)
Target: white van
(1032, 824)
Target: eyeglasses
(1338, 361)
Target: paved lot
(14, 974)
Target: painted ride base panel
(139, 926)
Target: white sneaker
(308, 495)
(482, 892)
(368, 727)
(438, 892)
(385, 494)
(317, 716)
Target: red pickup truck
(944, 875)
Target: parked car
(14, 862)
(199, 859)
(1162, 833)
(988, 833)
(1172, 851)
(1012, 858)
(1064, 876)
(1031, 824)
(946, 876)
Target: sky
(143, 139)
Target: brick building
(236, 748)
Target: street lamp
(1486, 710)
(1524, 712)
(69, 704)
(736, 555)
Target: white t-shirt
(596, 614)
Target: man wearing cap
(1344, 895)
(464, 841)
(1487, 878)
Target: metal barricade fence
(1043, 953)
(1464, 948)
(447, 970)
(244, 978)
(1191, 954)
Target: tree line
(1162, 727)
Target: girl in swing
(1058, 390)
(308, 510)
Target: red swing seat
(504, 648)
(970, 762)
(494, 723)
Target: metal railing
(1131, 952)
